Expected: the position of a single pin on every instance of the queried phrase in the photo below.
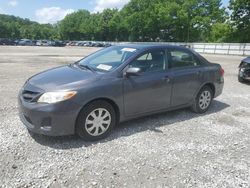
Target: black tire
(240, 79)
(196, 107)
(81, 120)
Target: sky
(51, 11)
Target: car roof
(150, 46)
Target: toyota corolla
(119, 83)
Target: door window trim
(166, 61)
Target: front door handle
(198, 73)
(166, 79)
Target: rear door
(186, 75)
(151, 90)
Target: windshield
(108, 59)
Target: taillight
(222, 72)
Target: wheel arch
(209, 84)
(110, 101)
(212, 86)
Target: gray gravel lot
(174, 149)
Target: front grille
(46, 122)
(29, 96)
(247, 72)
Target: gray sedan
(117, 84)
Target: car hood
(62, 78)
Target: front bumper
(49, 119)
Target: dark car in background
(58, 43)
(117, 84)
(98, 44)
(244, 70)
(7, 42)
(26, 42)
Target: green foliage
(76, 25)
(220, 32)
(240, 18)
(144, 20)
(148, 20)
(15, 27)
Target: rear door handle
(166, 79)
(198, 73)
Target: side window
(147, 56)
(181, 58)
(151, 61)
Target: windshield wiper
(86, 67)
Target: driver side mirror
(132, 71)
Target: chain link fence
(242, 49)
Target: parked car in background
(80, 43)
(7, 42)
(116, 84)
(58, 43)
(244, 70)
(26, 42)
(98, 44)
(29, 42)
(45, 43)
(107, 44)
(16, 41)
(88, 44)
(93, 44)
(72, 43)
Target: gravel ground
(174, 149)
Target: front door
(151, 90)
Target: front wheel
(203, 100)
(240, 79)
(96, 121)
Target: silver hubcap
(205, 100)
(98, 122)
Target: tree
(15, 28)
(172, 20)
(75, 26)
(140, 20)
(143, 20)
(118, 29)
(220, 32)
(240, 18)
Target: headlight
(54, 97)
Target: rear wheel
(96, 121)
(203, 100)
